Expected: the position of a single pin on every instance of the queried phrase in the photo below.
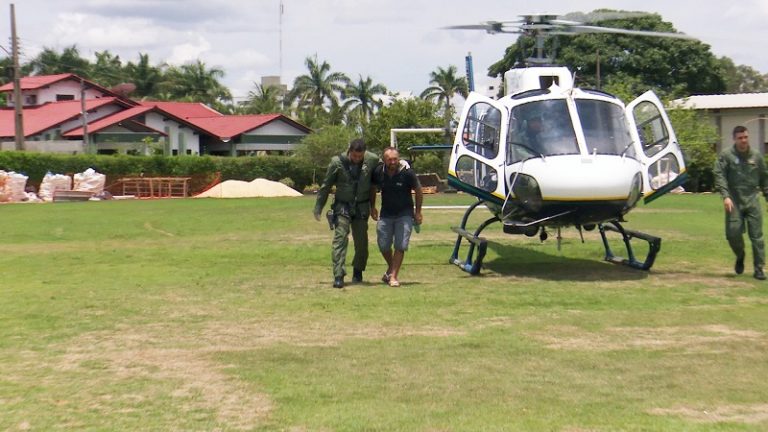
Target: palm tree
(264, 99)
(445, 85)
(144, 76)
(319, 86)
(194, 82)
(50, 62)
(360, 101)
(108, 69)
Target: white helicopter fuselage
(559, 155)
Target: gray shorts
(394, 229)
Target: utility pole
(84, 116)
(17, 100)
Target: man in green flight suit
(740, 174)
(351, 174)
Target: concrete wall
(65, 147)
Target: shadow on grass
(524, 262)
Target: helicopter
(548, 155)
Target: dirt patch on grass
(167, 356)
(677, 278)
(750, 414)
(694, 339)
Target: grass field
(219, 315)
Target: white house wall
(48, 94)
(277, 127)
(754, 119)
(175, 131)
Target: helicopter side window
(605, 127)
(663, 171)
(541, 128)
(473, 172)
(650, 126)
(482, 129)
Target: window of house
(64, 97)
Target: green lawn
(219, 315)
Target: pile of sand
(242, 189)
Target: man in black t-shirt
(393, 229)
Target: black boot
(759, 275)
(739, 266)
(357, 276)
(338, 282)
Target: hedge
(203, 169)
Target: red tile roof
(36, 82)
(40, 81)
(214, 123)
(44, 117)
(111, 120)
(183, 110)
(226, 127)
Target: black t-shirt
(396, 199)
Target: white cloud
(189, 51)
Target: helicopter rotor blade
(491, 27)
(581, 18)
(595, 29)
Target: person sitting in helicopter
(533, 128)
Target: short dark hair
(389, 149)
(357, 145)
(739, 129)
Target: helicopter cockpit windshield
(540, 129)
(605, 128)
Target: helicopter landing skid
(654, 245)
(475, 241)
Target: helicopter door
(656, 146)
(477, 159)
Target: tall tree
(672, 67)
(50, 62)
(313, 91)
(144, 76)
(403, 113)
(108, 69)
(446, 85)
(360, 100)
(195, 82)
(742, 78)
(263, 99)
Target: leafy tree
(742, 78)
(263, 99)
(446, 85)
(144, 76)
(360, 100)
(408, 113)
(312, 91)
(697, 137)
(108, 69)
(318, 148)
(50, 62)
(195, 82)
(672, 67)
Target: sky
(394, 42)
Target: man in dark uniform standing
(398, 214)
(351, 174)
(740, 175)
